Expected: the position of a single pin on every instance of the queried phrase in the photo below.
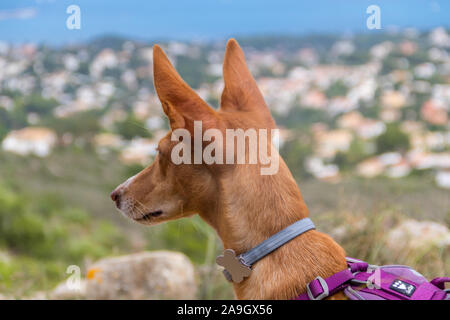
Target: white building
(443, 179)
(30, 140)
(139, 150)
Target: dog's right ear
(180, 102)
(241, 93)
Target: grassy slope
(415, 197)
(83, 180)
(77, 177)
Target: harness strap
(321, 288)
(440, 282)
(427, 291)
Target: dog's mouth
(153, 214)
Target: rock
(146, 275)
(414, 235)
(64, 292)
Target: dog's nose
(115, 196)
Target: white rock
(64, 292)
(146, 275)
(413, 235)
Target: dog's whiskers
(143, 210)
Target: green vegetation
(62, 215)
(52, 215)
(355, 153)
(358, 57)
(22, 106)
(3, 123)
(43, 232)
(302, 118)
(132, 127)
(391, 63)
(193, 70)
(295, 152)
(52, 235)
(337, 89)
(81, 124)
(39, 105)
(393, 139)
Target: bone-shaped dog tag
(233, 265)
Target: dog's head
(168, 189)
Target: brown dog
(243, 206)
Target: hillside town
(372, 110)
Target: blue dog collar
(237, 268)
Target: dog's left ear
(179, 101)
(241, 93)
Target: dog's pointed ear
(241, 93)
(179, 101)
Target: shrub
(132, 127)
(60, 233)
(80, 124)
(393, 139)
(189, 236)
(355, 153)
(337, 89)
(295, 152)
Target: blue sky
(45, 20)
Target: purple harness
(362, 281)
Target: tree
(301, 117)
(295, 152)
(355, 153)
(80, 124)
(4, 123)
(132, 127)
(393, 139)
(38, 104)
(337, 89)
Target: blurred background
(363, 113)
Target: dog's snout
(116, 195)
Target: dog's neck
(254, 207)
(250, 209)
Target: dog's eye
(159, 153)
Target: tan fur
(243, 206)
